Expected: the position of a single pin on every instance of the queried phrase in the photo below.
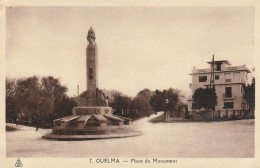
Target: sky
(138, 47)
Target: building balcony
(233, 80)
(227, 96)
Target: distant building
(228, 84)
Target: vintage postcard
(141, 85)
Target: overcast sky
(138, 47)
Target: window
(228, 92)
(218, 67)
(202, 78)
(228, 105)
(228, 77)
(216, 77)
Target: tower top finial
(91, 36)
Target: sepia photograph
(149, 84)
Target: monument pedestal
(91, 123)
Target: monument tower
(91, 121)
(92, 69)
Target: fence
(223, 115)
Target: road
(229, 139)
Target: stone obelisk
(92, 69)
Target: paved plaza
(228, 139)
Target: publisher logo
(18, 163)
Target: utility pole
(212, 81)
(212, 77)
(77, 95)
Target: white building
(228, 84)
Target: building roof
(220, 61)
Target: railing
(228, 80)
(202, 70)
(227, 96)
(231, 68)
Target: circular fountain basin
(92, 122)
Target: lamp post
(167, 111)
(38, 113)
(78, 95)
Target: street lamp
(166, 110)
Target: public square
(226, 139)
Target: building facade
(228, 81)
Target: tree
(205, 98)
(119, 102)
(158, 99)
(11, 107)
(174, 96)
(31, 100)
(27, 97)
(147, 93)
(52, 93)
(140, 105)
(249, 95)
(64, 107)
